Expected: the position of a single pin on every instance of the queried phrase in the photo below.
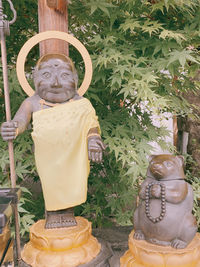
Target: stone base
(4, 237)
(61, 247)
(144, 254)
(101, 260)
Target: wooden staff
(4, 29)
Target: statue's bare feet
(60, 219)
(178, 244)
(139, 235)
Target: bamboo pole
(10, 143)
(8, 118)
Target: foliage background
(144, 55)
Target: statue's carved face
(55, 81)
(166, 166)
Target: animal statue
(65, 134)
(164, 214)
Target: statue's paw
(139, 235)
(178, 244)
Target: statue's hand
(156, 191)
(9, 130)
(95, 148)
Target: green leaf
(25, 190)
(170, 34)
(130, 24)
(182, 57)
(103, 6)
(158, 6)
(151, 27)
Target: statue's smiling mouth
(60, 90)
(55, 92)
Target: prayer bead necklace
(147, 202)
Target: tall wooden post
(53, 15)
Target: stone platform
(59, 247)
(114, 243)
(144, 254)
(102, 259)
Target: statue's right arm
(9, 130)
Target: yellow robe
(61, 154)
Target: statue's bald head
(55, 78)
(61, 58)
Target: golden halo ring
(20, 65)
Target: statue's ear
(180, 160)
(151, 157)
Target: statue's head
(166, 166)
(55, 78)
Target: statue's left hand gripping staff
(4, 30)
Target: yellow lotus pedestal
(61, 247)
(144, 254)
(4, 238)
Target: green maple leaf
(150, 78)
(116, 55)
(116, 79)
(130, 24)
(170, 34)
(121, 69)
(182, 57)
(151, 27)
(103, 6)
(158, 6)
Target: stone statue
(164, 215)
(66, 134)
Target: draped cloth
(61, 153)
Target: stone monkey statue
(65, 134)
(164, 215)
